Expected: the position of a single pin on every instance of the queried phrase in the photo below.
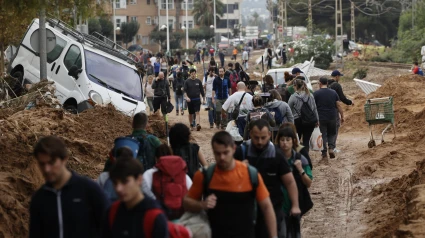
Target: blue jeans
(211, 112)
(241, 123)
(179, 101)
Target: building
(231, 19)
(149, 16)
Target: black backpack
(190, 157)
(308, 117)
(185, 73)
(304, 198)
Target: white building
(231, 18)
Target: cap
(296, 70)
(336, 73)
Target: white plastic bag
(316, 142)
(234, 131)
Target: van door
(66, 84)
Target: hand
(210, 202)
(295, 211)
(298, 165)
(187, 99)
(245, 162)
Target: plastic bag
(197, 223)
(233, 130)
(316, 142)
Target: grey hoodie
(296, 102)
(284, 109)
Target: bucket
(128, 142)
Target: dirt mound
(89, 137)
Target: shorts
(194, 106)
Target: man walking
(208, 86)
(221, 56)
(67, 205)
(192, 93)
(221, 91)
(283, 54)
(245, 59)
(161, 94)
(328, 106)
(241, 100)
(269, 160)
(230, 189)
(334, 84)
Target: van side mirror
(74, 71)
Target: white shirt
(233, 101)
(148, 180)
(208, 86)
(245, 55)
(153, 60)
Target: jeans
(305, 131)
(338, 125)
(150, 103)
(328, 129)
(241, 123)
(220, 119)
(179, 101)
(211, 112)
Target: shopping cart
(379, 111)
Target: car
(86, 71)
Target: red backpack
(169, 184)
(234, 80)
(174, 230)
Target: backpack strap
(208, 174)
(253, 176)
(243, 147)
(113, 212)
(149, 221)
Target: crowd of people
(255, 186)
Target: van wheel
(71, 108)
(17, 87)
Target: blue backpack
(278, 117)
(146, 154)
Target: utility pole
(168, 26)
(353, 25)
(310, 19)
(338, 26)
(228, 30)
(215, 29)
(114, 21)
(43, 40)
(187, 28)
(284, 17)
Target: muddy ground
(364, 192)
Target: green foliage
(129, 30)
(94, 26)
(317, 47)
(203, 11)
(202, 33)
(360, 73)
(107, 27)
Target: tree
(129, 31)
(158, 36)
(255, 19)
(94, 26)
(236, 32)
(107, 27)
(203, 11)
(200, 34)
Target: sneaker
(211, 126)
(332, 154)
(198, 127)
(324, 156)
(182, 112)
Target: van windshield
(113, 75)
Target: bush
(360, 73)
(317, 47)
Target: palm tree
(203, 11)
(255, 18)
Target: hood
(302, 95)
(171, 165)
(273, 104)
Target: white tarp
(367, 87)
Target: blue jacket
(79, 206)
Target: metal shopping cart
(379, 111)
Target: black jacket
(332, 84)
(161, 88)
(79, 206)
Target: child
(149, 93)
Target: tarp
(367, 87)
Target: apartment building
(232, 17)
(147, 13)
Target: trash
(233, 130)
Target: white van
(278, 76)
(85, 69)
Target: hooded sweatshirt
(332, 84)
(282, 108)
(296, 102)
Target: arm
(303, 169)
(202, 90)
(341, 112)
(160, 228)
(154, 84)
(269, 216)
(35, 230)
(341, 95)
(202, 159)
(167, 85)
(146, 189)
(288, 113)
(291, 186)
(314, 107)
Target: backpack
(234, 80)
(179, 86)
(190, 156)
(146, 154)
(185, 73)
(257, 115)
(235, 113)
(304, 198)
(278, 117)
(281, 89)
(308, 117)
(174, 230)
(169, 184)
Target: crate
(379, 111)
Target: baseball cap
(336, 73)
(296, 70)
